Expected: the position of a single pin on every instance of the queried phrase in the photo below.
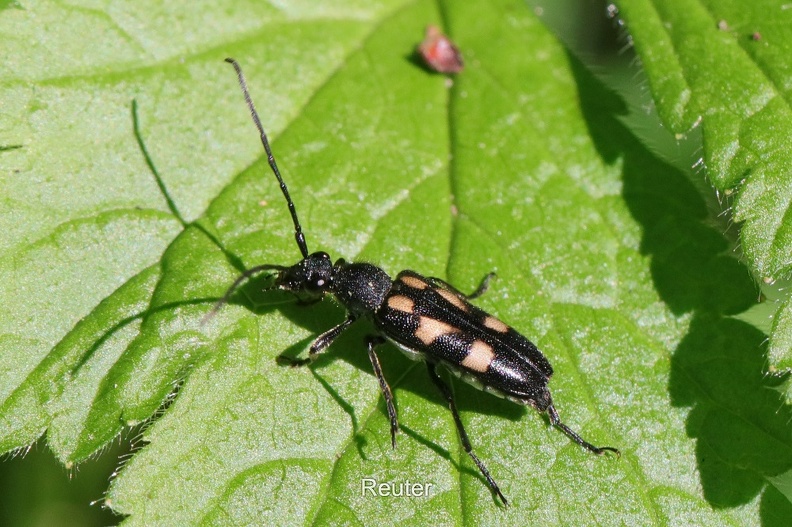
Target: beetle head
(310, 278)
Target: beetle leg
(372, 342)
(320, 344)
(480, 290)
(555, 420)
(446, 391)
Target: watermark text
(370, 487)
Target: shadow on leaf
(740, 423)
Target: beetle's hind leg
(446, 391)
(372, 342)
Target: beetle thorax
(360, 287)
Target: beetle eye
(315, 283)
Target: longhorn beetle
(426, 317)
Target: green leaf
(724, 65)
(779, 351)
(605, 255)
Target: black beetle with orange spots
(427, 318)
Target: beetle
(426, 317)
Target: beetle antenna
(230, 291)
(298, 234)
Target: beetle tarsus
(555, 420)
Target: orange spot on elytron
(415, 283)
(480, 357)
(452, 298)
(401, 303)
(429, 329)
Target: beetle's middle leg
(446, 391)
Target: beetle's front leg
(320, 344)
